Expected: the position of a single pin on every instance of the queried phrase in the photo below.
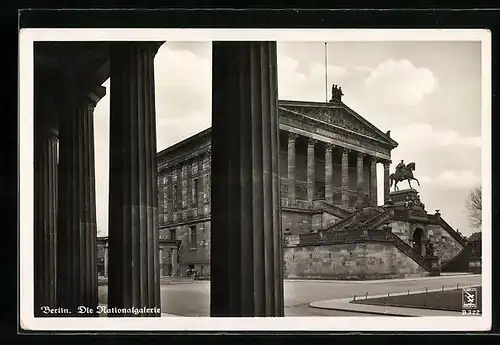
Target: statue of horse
(406, 174)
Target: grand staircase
(452, 232)
(351, 226)
(334, 209)
(379, 218)
(409, 251)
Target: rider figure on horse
(401, 168)
(403, 172)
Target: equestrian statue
(403, 172)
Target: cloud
(183, 82)
(400, 83)
(421, 135)
(454, 179)
(308, 84)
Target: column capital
(292, 137)
(329, 147)
(360, 155)
(386, 163)
(345, 151)
(311, 143)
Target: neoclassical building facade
(328, 156)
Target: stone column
(45, 216)
(311, 174)
(328, 173)
(106, 260)
(387, 191)
(373, 181)
(360, 178)
(246, 244)
(345, 178)
(77, 227)
(133, 205)
(292, 195)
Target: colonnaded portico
(318, 169)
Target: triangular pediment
(337, 115)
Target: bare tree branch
(473, 204)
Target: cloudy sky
(427, 93)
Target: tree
(473, 205)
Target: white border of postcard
(322, 323)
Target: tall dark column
(345, 178)
(360, 178)
(133, 201)
(246, 251)
(328, 173)
(373, 181)
(77, 227)
(311, 172)
(292, 195)
(386, 180)
(45, 222)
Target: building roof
(201, 140)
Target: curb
(344, 304)
(381, 281)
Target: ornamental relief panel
(338, 117)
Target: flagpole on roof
(326, 73)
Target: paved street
(192, 299)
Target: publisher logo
(469, 298)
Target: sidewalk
(344, 304)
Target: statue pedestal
(399, 197)
(407, 205)
(432, 264)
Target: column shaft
(77, 226)
(133, 203)
(360, 178)
(373, 181)
(328, 173)
(386, 181)
(247, 247)
(311, 174)
(45, 217)
(292, 196)
(345, 178)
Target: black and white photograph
(255, 179)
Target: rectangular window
(173, 234)
(192, 234)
